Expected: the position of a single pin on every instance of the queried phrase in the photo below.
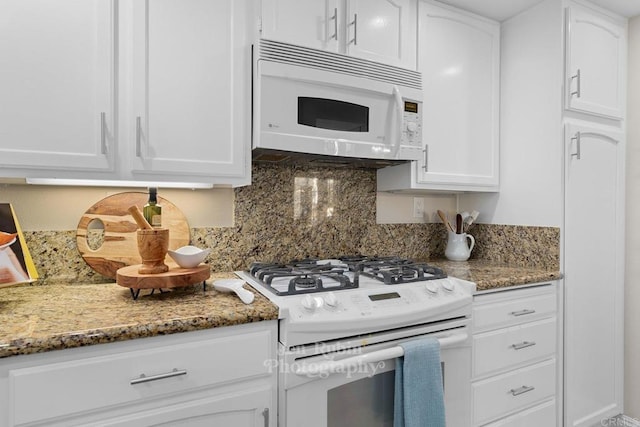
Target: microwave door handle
(395, 139)
(323, 369)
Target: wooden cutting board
(174, 278)
(119, 243)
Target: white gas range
(341, 321)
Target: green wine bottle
(152, 211)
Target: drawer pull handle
(522, 312)
(145, 379)
(521, 390)
(523, 344)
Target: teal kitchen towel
(419, 397)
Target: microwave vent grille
(335, 62)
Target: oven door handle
(322, 369)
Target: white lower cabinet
(515, 363)
(245, 408)
(538, 416)
(594, 297)
(212, 377)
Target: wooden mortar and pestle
(153, 244)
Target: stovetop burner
(404, 273)
(315, 275)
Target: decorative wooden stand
(176, 277)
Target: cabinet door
(542, 415)
(595, 50)
(382, 31)
(458, 54)
(309, 23)
(246, 408)
(57, 85)
(191, 89)
(594, 274)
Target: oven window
(332, 114)
(366, 402)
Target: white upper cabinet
(310, 23)
(377, 30)
(459, 57)
(135, 90)
(191, 82)
(57, 84)
(595, 52)
(382, 30)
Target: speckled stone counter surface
(36, 319)
(488, 275)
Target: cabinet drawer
(512, 311)
(542, 415)
(508, 347)
(503, 394)
(81, 385)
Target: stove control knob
(432, 288)
(331, 301)
(448, 286)
(310, 303)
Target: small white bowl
(189, 256)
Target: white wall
(632, 281)
(531, 128)
(60, 208)
(394, 208)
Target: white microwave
(324, 106)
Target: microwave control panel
(412, 123)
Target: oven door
(354, 386)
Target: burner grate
(304, 276)
(308, 275)
(404, 273)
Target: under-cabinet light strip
(115, 183)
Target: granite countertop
(36, 319)
(489, 275)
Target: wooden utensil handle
(139, 218)
(444, 220)
(458, 224)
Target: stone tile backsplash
(292, 212)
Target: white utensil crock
(458, 248)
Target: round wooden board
(174, 278)
(120, 248)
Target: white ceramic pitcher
(458, 248)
